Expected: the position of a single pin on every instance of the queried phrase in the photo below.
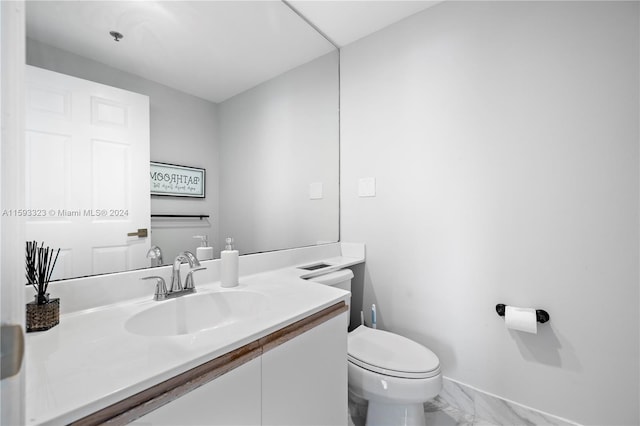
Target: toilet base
(381, 414)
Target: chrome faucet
(185, 256)
(176, 289)
(155, 254)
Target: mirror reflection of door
(82, 142)
(246, 90)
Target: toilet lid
(390, 354)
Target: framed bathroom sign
(177, 181)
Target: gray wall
(504, 139)
(183, 131)
(277, 139)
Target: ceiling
(208, 48)
(345, 21)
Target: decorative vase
(43, 316)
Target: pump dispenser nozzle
(204, 240)
(204, 252)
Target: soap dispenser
(204, 252)
(229, 265)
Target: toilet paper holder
(541, 315)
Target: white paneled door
(87, 173)
(12, 316)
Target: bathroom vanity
(301, 381)
(274, 354)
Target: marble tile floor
(437, 412)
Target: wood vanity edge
(136, 406)
(291, 331)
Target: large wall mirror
(245, 90)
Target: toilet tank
(340, 279)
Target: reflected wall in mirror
(246, 90)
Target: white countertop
(90, 361)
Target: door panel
(12, 315)
(86, 144)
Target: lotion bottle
(204, 252)
(229, 265)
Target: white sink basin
(193, 313)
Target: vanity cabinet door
(304, 380)
(231, 399)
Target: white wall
(183, 131)
(504, 140)
(276, 139)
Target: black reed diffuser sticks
(39, 264)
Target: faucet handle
(161, 287)
(189, 283)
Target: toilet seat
(390, 354)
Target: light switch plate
(315, 191)
(367, 187)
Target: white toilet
(394, 374)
